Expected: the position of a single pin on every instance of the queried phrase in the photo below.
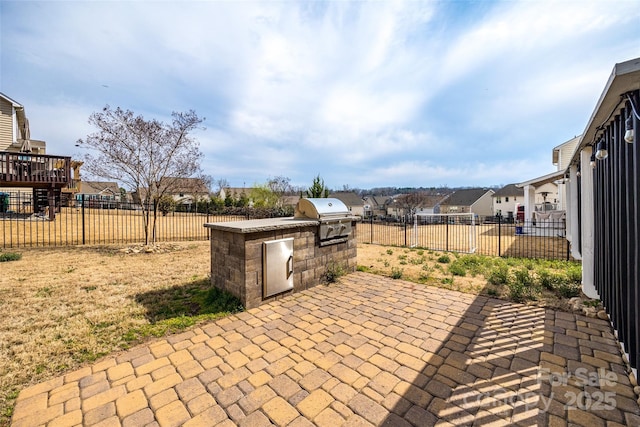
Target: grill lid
(319, 208)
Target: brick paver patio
(367, 351)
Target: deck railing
(23, 169)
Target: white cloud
(372, 93)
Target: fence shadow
(438, 357)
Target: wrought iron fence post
(447, 235)
(371, 229)
(82, 201)
(499, 235)
(405, 232)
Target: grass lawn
(63, 307)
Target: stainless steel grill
(333, 216)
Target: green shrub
(389, 251)
(10, 256)
(548, 280)
(457, 268)
(444, 259)
(499, 275)
(568, 290)
(166, 204)
(396, 273)
(423, 277)
(517, 291)
(417, 261)
(472, 264)
(333, 272)
(523, 276)
(522, 287)
(363, 268)
(574, 274)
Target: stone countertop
(258, 225)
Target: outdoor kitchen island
(264, 259)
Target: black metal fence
(616, 185)
(104, 221)
(528, 239)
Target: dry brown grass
(489, 239)
(101, 226)
(62, 307)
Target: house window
(506, 199)
(498, 199)
(181, 194)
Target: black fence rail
(102, 221)
(528, 239)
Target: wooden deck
(34, 170)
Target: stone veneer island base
(237, 258)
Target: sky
(364, 94)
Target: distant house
(184, 191)
(431, 204)
(507, 199)
(472, 200)
(187, 191)
(354, 203)
(98, 194)
(234, 192)
(375, 206)
(290, 201)
(396, 207)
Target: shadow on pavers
(502, 363)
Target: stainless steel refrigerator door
(277, 266)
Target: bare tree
(221, 184)
(280, 186)
(145, 155)
(409, 203)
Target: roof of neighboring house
(465, 197)
(98, 187)
(376, 201)
(509, 190)
(431, 201)
(186, 185)
(14, 103)
(348, 198)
